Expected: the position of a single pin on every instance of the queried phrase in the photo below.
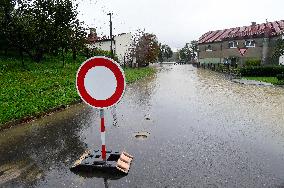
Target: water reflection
(106, 176)
(28, 152)
(26, 170)
(140, 93)
(114, 116)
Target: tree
(193, 49)
(161, 53)
(78, 39)
(168, 52)
(145, 48)
(185, 53)
(37, 27)
(14, 25)
(189, 51)
(279, 49)
(6, 9)
(164, 52)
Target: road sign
(243, 51)
(100, 82)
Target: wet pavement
(186, 127)
(251, 82)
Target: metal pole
(110, 33)
(103, 135)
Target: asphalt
(202, 130)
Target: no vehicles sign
(100, 82)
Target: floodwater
(203, 130)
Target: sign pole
(99, 72)
(106, 76)
(103, 135)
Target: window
(233, 44)
(209, 48)
(250, 43)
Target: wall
(104, 45)
(122, 45)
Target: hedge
(253, 62)
(261, 71)
(280, 76)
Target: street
(201, 130)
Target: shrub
(280, 82)
(269, 71)
(253, 62)
(280, 76)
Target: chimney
(253, 23)
(93, 33)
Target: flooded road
(198, 129)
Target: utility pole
(110, 33)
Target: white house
(121, 45)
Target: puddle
(23, 169)
(141, 135)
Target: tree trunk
(63, 58)
(6, 52)
(74, 54)
(38, 55)
(22, 57)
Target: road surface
(204, 131)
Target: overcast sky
(179, 21)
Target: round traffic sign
(100, 82)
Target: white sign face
(100, 83)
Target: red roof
(269, 28)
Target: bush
(280, 82)
(253, 62)
(280, 76)
(269, 71)
(98, 52)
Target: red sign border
(117, 71)
(242, 54)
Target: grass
(272, 80)
(133, 75)
(39, 87)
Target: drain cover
(141, 135)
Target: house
(121, 44)
(236, 45)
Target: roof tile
(269, 28)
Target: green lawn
(42, 86)
(272, 80)
(135, 74)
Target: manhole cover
(141, 135)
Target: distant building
(255, 41)
(121, 44)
